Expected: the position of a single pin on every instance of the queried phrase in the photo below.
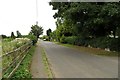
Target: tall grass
(9, 44)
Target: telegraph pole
(36, 12)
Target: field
(12, 53)
(9, 44)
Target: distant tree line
(34, 34)
(12, 35)
(93, 24)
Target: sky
(21, 15)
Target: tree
(53, 36)
(87, 22)
(18, 34)
(97, 19)
(48, 33)
(36, 30)
(33, 38)
(12, 35)
(4, 36)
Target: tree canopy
(86, 20)
(18, 34)
(48, 32)
(36, 30)
(97, 19)
(12, 35)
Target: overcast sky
(21, 14)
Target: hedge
(102, 42)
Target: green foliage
(53, 36)
(10, 44)
(24, 69)
(3, 36)
(71, 40)
(33, 38)
(92, 23)
(92, 17)
(106, 42)
(48, 33)
(36, 30)
(99, 42)
(45, 37)
(62, 39)
(114, 44)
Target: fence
(0, 55)
(12, 60)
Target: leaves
(86, 21)
(36, 30)
(94, 18)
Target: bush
(71, 40)
(80, 41)
(106, 42)
(33, 39)
(114, 44)
(101, 42)
(62, 39)
(74, 40)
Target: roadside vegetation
(10, 44)
(94, 25)
(24, 69)
(0, 45)
(14, 49)
(95, 51)
(47, 65)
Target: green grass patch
(23, 70)
(47, 65)
(95, 51)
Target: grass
(0, 48)
(95, 51)
(9, 44)
(47, 65)
(23, 70)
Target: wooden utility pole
(36, 12)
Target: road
(69, 63)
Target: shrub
(114, 44)
(81, 41)
(62, 39)
(106, 42)
(9, 44)
(33, 39)
(71, 40)
(74, 40)
(101, 42)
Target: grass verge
(47, 65)
(95, 51)
(23, 70)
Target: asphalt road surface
(69, 63)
